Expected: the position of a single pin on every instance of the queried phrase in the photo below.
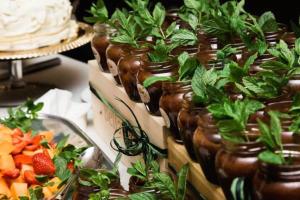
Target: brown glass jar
(128, 68)
(278, 182)
(255, 67)
(170, 104)
(100, 43)
(289, 38)
(294, 84)
(150, 96)
(236, 160)
(190, 49)
(273, 37)
(172, 15)
(207, 43)
(207, 142)
(135, 184)
(187, 122)
(209, 59)
(114, 52)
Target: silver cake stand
(16, 90)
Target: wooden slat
(178, 156)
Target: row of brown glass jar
(223, 161)
(131, 66)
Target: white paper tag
(166, 117)
(145, 97)
(97, 56)
(112, 67)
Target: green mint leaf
(225, 52)
(62, 142)
(184, 37)
(99, 13)
(267, 22)
(181, 185)
(42, 178)
(249, 62)
(138, 169)
(261, 46)
(123, 39)
(187, 69)
(274, 65)
(244, 90)
(153, 79)
(297, 46)
(232, 117)
(296, 103)
(62, 172)
(199, 84)
(165, 185)
(20, 197)
(50, 183)
(266, 136)
(182, 58)
(295, 126)
(84, 182)
(36, 193)
(193, 21)
(22, 116)
(193, 4)
(275, 128)
(45, 143)
(161, 51)
(286, 53)
(170, 30)
(236, 73)
(142, 196)
(270, 157)
(217, 110)
(159, 14)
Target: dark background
(284, 10)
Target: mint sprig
(207, 86)
(232, 118)
(267, 22)
(271, 137)
(99, 13)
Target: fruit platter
(40, 154)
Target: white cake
(29, 24)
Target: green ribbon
(135, 138)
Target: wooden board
(178, 156)
(106, 123)
(105, 84)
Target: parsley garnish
(22, 116)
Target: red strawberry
(29, 177)
(11, 173)
(70, 166)
(22, 159)
(42, 164)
